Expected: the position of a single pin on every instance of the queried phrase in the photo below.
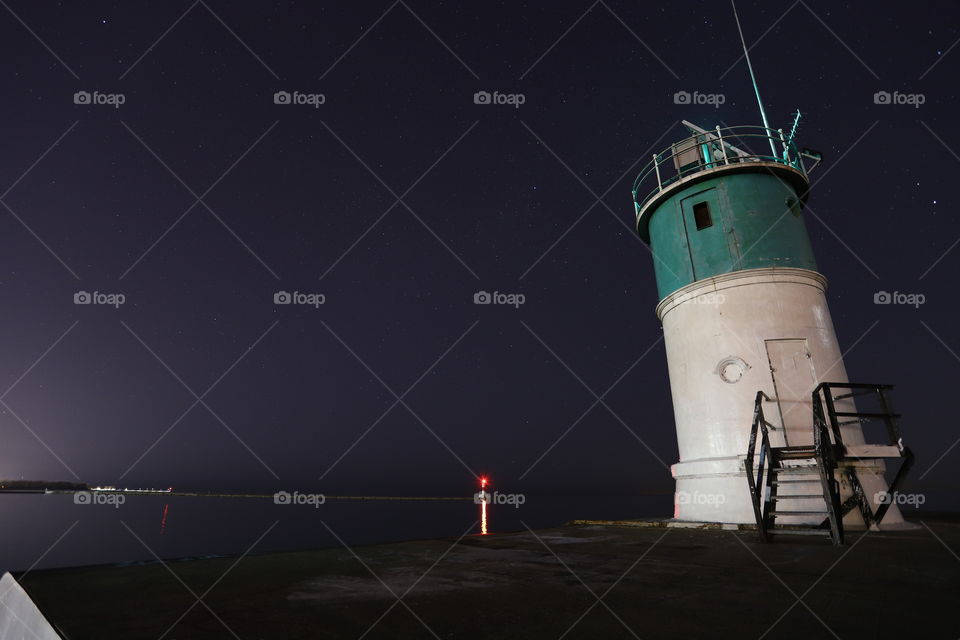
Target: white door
(793, 381)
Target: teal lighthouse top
(708, 205)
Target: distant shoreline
(196, 494)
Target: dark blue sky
(494, 198)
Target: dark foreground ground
(571, 582)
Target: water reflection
(484, 499)
(163, 518)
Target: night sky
(398, 199)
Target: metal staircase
(781, 470)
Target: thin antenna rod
(753, 79)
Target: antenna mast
(753, 79)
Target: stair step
(779, 482)
(779, 512)
(797, 496)
(810, 468)
(798, 532)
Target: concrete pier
(654, 581)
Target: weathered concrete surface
(655, 583)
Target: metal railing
(823, 397)
(832, 456)
(758, 488)
(761, 479)
(711, 149)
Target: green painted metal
(757, 222)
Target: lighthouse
(768, 425)
(747, 329)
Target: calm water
(177, 527)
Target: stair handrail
(823, 394)
(757, 497)
(826, 456)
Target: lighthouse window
(701, 214)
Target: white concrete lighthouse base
(728, 337)
(717, 491)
